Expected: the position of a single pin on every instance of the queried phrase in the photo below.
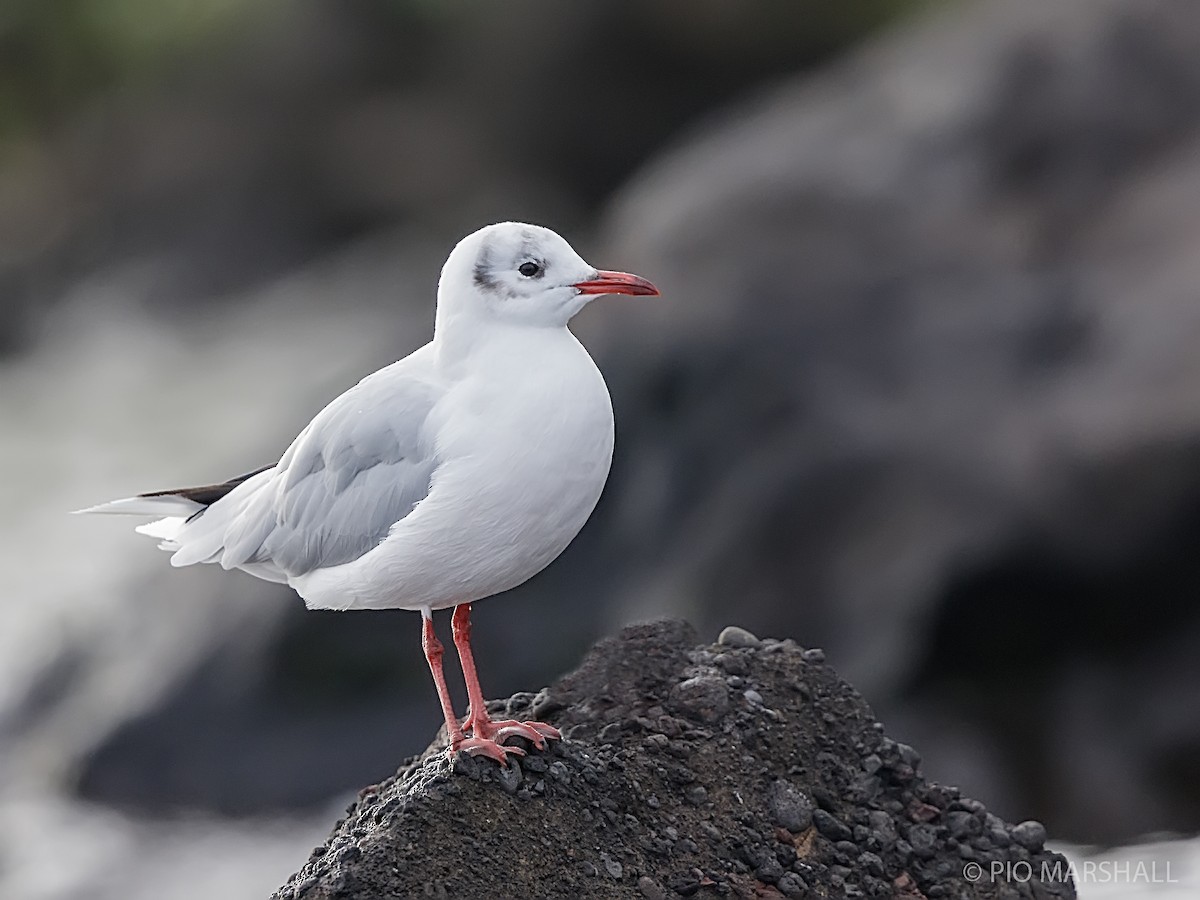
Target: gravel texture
(745, 768)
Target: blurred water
(55, 849)
(1161, 870)
(108, 404)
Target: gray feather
(360, 466)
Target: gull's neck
(461, 336)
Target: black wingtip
(207, 494)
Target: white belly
(526, 462)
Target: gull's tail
(172, 508)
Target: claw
(480, 746)
(537, 733)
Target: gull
(454, 474)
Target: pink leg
(458, 741)
(480, 725)
(433, 655)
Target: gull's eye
(529, 269)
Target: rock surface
(743, 768)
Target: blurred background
(923, 388)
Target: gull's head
(525, 274)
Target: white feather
(144, 506)
(166, 530)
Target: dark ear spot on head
(484, 280)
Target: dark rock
(702, 697)
(770, 871)
(972, 806)
(923, 840)
(612, 866)
(846, 849)
(733, 664)
(923, 812)
(509, 777)
(789, 807)
(830, 827)
(474, 830)
(1030, 835)
(963, 825)
(910, 756)
(733, 636)
(792, 885)
(870, 863)
(685, 884)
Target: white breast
(527, 441)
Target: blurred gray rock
(294, 130)
(922, 389)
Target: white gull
(454, 474)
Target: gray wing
(359, 467)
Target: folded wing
(359, 467)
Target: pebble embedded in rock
(963, 825)
(657, 741)
(770, 871)
(466, 764)
(1030, 834)
(792, 885)
(685, 884)
(649, 889)
(909, 755)
(611, 866)
(733, 636)
(870, 863)
(924, 812)
(703, 697)
(789, 807)
(509, 776)
(830, 826)
(813, 655)
(732, 664)
(923, 840)
(544, 705)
